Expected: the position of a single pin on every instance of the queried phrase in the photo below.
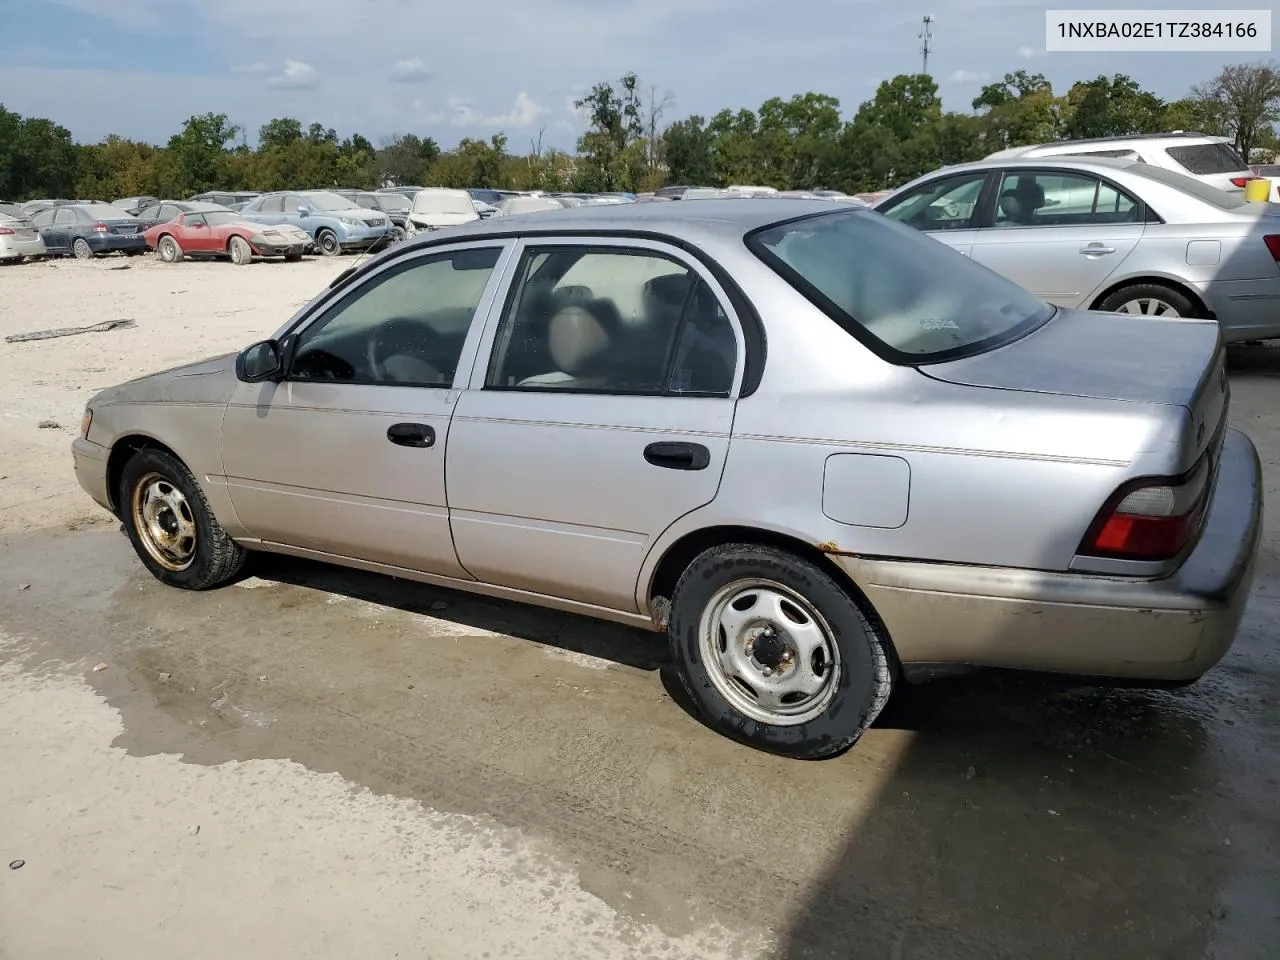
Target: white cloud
(1027, 53)
(410, 71)
(525, 112)
(968, 76)
(297, 75)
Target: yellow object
(1258, 191)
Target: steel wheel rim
(238, 250)
(168, 249)
(164, 522)
(328, 244)
(82, 250)
(1148, 307)
(769, 652)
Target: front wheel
(775, 653)
(81, 249)
(397, 234)
(241, 252)
(171, 526)
(327, 241)
(1149, 300)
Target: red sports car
(224, 233)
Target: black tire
(863, 677)
(327, 242)
(1155, 294)
(397, 234)
(169, 250)
(214, 558)
(292, 257)
(81, 250)
(240, 251)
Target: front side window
(404, 327)
(612, 320)
(1045, 199)
(944, 204)
(910, 298)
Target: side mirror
(304, 212)
(259, 362)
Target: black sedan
(85, 230)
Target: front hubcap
(1148, 307)
(164, 522)
(769, 652)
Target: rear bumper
(1173, 629)
(13, 248)
(1246, 309)
(110, 242)
(91, 469)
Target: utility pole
(926, 44)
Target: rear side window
(906, 296)
(1203, 158)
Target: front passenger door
(346, 457)
(602, 417)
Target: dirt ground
(320, 763)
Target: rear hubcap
(769, 652)
(1148, 307)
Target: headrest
(669, 289)
(576, 339)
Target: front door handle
(1096, 249)
(411, 434)
(678, 456)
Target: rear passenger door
(1059, 233)
(598, 414)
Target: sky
(138, 68)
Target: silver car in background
(19, 237)
(1108, 234)
(809, 443)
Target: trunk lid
(1118, 357)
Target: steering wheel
(410, 342)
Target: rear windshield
(910, 297)
(104, 211)
(1197, 188)
(12, 210)
(1202, 158)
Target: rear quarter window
(1207, 158)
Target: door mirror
(262, 361)
(304, 211)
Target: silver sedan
(1112, 235)
(810, 444)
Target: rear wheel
(775, 653)
(171, 526)
(241, 252)
(327, 241)
(1149, 300)
(169, 249)
(81, 249)
(397, 234)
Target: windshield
(444, 202)
(395, 202)
(225, 218)
(1197, 188)
(1206, 158)
(323, 200)
(911, 294)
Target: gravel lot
(320, 763)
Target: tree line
(802, 142)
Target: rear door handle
(678, 456)
(1096, 249)
(411, 434)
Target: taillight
(1150, 519)
(1272, 240)
(1241, 181)
(8, 232)
(101, 228)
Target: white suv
(1211, 160)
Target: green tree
(200, 151)
(1244, 99)
(615, 121)
(689, 149)
(1111, 108)
(1020, 109)
(734, 138)
(279, 133)
(406, 159)
(474, 163)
